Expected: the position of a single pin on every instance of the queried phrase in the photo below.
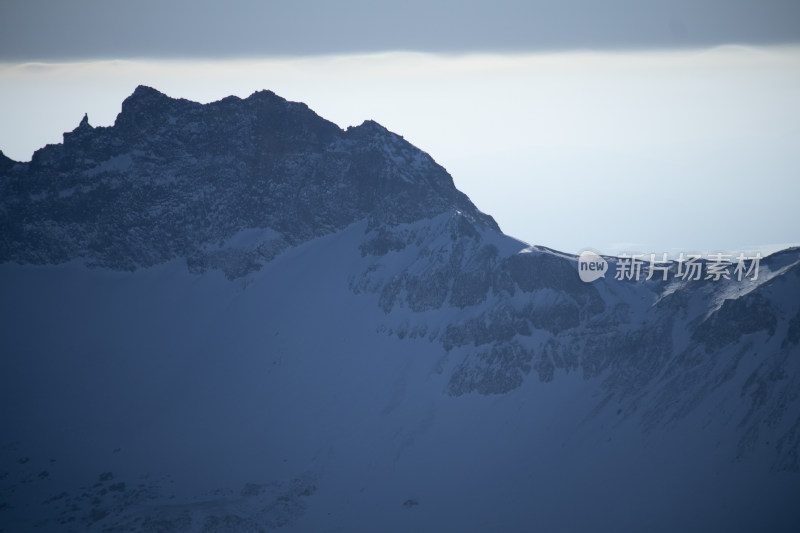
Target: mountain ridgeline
(172, 177)
(346, 340)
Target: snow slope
(280, 400)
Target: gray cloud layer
(87, 29)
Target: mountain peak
(5, 162)
(145, 109)
(143, 97)
(369, 129)
(145, 91)
(192, 174)
(82, 130)
(371, 126)
(266, 94)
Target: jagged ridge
(173, 178)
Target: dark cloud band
(55, 30)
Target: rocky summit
(172, 178)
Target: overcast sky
(112, 29)
(616, 125)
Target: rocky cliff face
(173, 178)
(660, 348)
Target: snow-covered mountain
(238, 317)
